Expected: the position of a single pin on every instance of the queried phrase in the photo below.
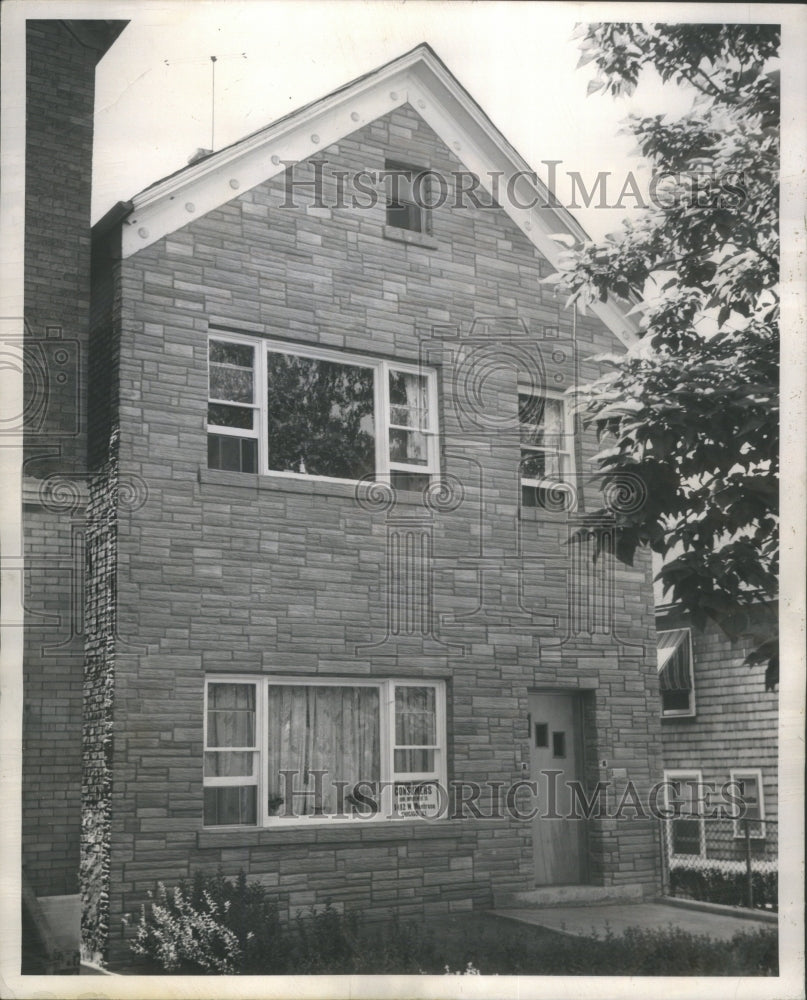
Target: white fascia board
(418, 79)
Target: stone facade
(233, 573)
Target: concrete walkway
(596, 920)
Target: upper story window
(676, 675)
(408, 197)
(547, 451)
(285, 750)
(295, 411)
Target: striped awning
(675, 660)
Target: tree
(693, 409)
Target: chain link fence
(730, 861)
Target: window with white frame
(676, 673)
(286, 750)
(684, 795)
(547, 450)
(298, 411)
(408, 197)
(748, 787)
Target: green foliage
(223, 926)
(693, 409)
(714, 885)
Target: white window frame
(680, 774)
(757, 826)
(386, 688)
(681, 713)
(567, 462)
(381, 368)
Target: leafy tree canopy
(693, 409)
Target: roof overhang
(417, 78)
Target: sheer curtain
(325, 728)
(230, 723)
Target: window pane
(320, 417)
(675, 701)
(229, 764)
(540, 420)
(231, 715)
(231, 383)
(540, 465)
(415, 721)
(750, 794)
(414, 481)
(414, 761)
(221, 415)
(409, 400)
(232, 454)
(686, 836)
(408, 447)
(332, 728)
(231, 805)
(224, 353)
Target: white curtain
(321, 728)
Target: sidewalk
(595, 920)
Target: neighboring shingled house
(333, 619)
(719, 726)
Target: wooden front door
(555, 760)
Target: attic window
(676, 678)
(408, 197)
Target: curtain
(408, 395)
(230, 723)
(326, 728)
(415, 726)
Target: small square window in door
(559, 744)
(541, 734)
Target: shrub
(213, 925)
(714, 885)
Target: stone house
(337, 631)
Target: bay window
(300, 412)
(283, 750)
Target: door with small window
(558, 836)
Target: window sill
(533, 514)
(398, 235)
(689, 717)
(332, 832)
(288, 484)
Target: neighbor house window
(305, 412)
(685, 828)
(279, 751)
(547, 464)
(748, 787)
(676, 673)
(408, 197)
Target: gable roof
(418, 78)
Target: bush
(714, 885)
(213, 925)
